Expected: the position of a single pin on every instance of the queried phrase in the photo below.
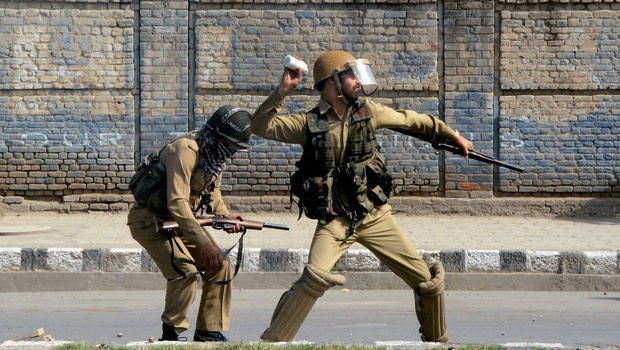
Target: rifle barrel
(478, 156)
(275, 226)
(443, 143)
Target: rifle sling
(201, 272)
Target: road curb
(58, 269)
(107, 260)
(12, 282)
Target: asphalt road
(352, 317)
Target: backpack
(148, 184)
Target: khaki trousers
(379, 233)
(215, 303)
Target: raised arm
(287, 128)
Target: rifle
(447, 145)
(220, 223)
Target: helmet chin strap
(340, 93)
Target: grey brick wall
(557, 116)
(87, 88)
(66, 109)
(468, 94)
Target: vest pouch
(380, 184)
(359, 187)
(313, 195)
(349, 191)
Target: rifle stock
(220, 223)
(447, 145)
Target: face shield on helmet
(334, 62)
(364, 75)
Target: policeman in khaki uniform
(342, 181)
(193, 163)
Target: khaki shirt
(292, 128)
(184, 185)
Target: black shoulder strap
(318, 156)
(200, 272)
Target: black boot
(168, 333)
(205, 336)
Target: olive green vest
(318, 156)
(354, 187)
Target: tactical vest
(351, 189)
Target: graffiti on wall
(38, 139)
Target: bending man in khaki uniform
(343, 182)
(193, 163)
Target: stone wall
(89, 87)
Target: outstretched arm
(464, 144)
(426, 126)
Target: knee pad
(315, 282)
(295, 305)
(430, 306)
